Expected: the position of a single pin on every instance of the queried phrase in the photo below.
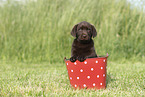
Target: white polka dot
(67, 63)
(104, 60)
(84, 85)
(75, 85)
(88, 77)
(75, 63)
(101, 67)
(78, 77)
(85, 62)
(81, 70)
(97, 76)
(96, 61)
(70, 78)
(103, 75)
(92, 69)
(72, 70)
(101, 84)
(94, 84)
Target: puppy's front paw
(73, 59)
(81, 58)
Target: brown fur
(83, 45)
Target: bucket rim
(100, 56)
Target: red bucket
(88, 74)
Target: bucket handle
(64, 58)
(107, 55)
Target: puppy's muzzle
(84, 36)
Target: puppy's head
(83, 32)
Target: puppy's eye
(80, 29)
(88, 29)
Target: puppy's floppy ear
(94, 32)
(74, 30)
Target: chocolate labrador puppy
(83, 45)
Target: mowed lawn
(51, 80)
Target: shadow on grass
(109, 79)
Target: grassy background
(35, 37)
(40, 31)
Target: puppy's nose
(84, 36)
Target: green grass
(40, 31)
(51, 80)
(35, 37)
